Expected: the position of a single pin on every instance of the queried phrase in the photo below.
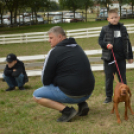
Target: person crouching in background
(14, 73)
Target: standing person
(66, 77)
(14, 73)
(114, 36)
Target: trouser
(14, 81)
(54, 93)
(109, 69)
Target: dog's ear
(128, 89)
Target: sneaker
(108, 99)
(67, 114)
(22, 88)
(83, 109)
(10, 89)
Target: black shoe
(83, 109)
(67, 114)
(108, 99)
(22, 88)
(10, 89)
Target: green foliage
(70, 4)
(104, 2)
(53, 6)
(87, 3)
(37, 4)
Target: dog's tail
(115, 78)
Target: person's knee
(39, 100)
(35, 99)
(21, 76)
(35, 94)
(4, 76)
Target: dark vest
(109, 37)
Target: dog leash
(117, 67)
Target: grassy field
(20, 115)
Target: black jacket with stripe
(68, 67)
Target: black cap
(11, 57)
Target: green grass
(19, 114)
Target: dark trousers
(109, 69)
(14, 81)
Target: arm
(102, 43)
(130, 52)
(7, 71)
(49, 69)
(16, 72)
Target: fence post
(44, 36)
(25, 38)
(20, 38)
(4, 40)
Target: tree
(105, 3)
(35, 5)
(132, 4)
(10, 7)
(2, 4)
(53, 6)
(70, 4)
(86, 4)
(17, 5)
(120, 4)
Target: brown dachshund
(122, 93)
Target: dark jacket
(121, 45)
(68, 67)
(20, 68)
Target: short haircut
(57, 30)
(112, 11)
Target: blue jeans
(54, 93)
(14, 81)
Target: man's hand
(130, 61)
(109, 46)
(14, 70)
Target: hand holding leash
(109, 46)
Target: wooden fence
(43, 36)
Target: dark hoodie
(68, 67)
(20, 68)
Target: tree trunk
(15, 16)
(132, 10)
(36, 17)
(1, 14)
(11, 17)
(86, 14)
